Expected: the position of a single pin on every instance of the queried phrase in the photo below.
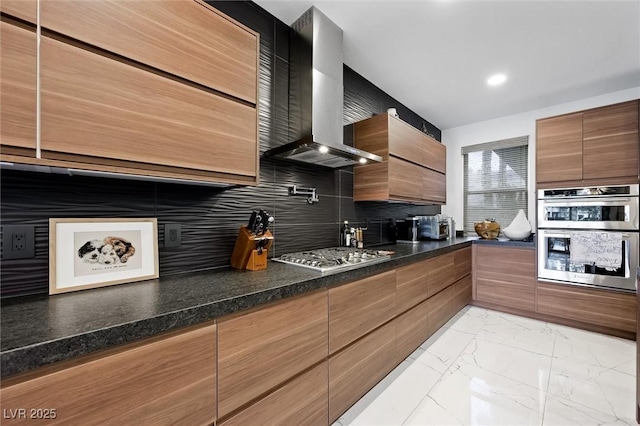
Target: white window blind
(495, 181)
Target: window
(495, 181)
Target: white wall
(504, 128)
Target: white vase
(519, 229)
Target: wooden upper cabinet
(261, 349)
(17, 86)
(94, 106)
(610, 141)
(596, 146)
(169, 380)
(359, 307)
(559, 148)
(186, 38)
(26, 10)
(413, 167)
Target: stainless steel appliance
(603, 224)
(414, 229)
(333, 259)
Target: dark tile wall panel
(210, 217)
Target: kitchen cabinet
(439, 309)
(505, 276)
(359, 307)
(462, 263)
(168, 379)
(142, 118)
(440, 272)
(355, 370)
(462, 293)
(18, 87)
(411, 285)
(184, 38)
(173, 95)
(413, 167)
(412, 330)
(261, 349)
(302, 401)
(602, 308)
(25, 10)
(598, 146)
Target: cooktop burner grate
(333, 259)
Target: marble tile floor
(489, 368)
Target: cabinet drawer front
(604, 308)
(23, 9)
(462, 293)
(95, 106)
(405, 179)
(174, 378)
(611, 120)
(303, 401)
(439, 272)
(405, 141)
(354, 371)
(18, 86)
(435, 156)
(359, 307)
(412, 330)
(263, 348)
(434, 186)
(411, 285)
(559, 148)
(439, 309)
(462, 262)
(181, 37)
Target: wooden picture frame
(98, 252)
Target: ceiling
(435, 56)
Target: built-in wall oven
(589, 236)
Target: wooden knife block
(245, 255)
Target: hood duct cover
(316, 96)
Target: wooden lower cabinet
(505, 276)
(462, 263)
(302, 401)
(411, 285)
(359, 307)
(171, 380)
(261, 349)
(461, 294)
(599, 307)
(412, 330)
(439, 309)
(440, 272)
(356, 369)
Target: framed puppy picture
(90, 253)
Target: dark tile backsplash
(210, 217)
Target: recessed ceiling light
(323, 149)
(496, 79)
(363, 160)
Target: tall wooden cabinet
(598, 146)
(413, 167)
(162, 89)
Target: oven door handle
(567, 234)
(588, 202)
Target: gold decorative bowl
(489, 229)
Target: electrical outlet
(172, 235)
(18, 241)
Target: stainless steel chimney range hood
(316, 97)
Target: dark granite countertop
(41, 330)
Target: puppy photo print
(106, 251)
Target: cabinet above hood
(316, 97)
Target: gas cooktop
(334, 258)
